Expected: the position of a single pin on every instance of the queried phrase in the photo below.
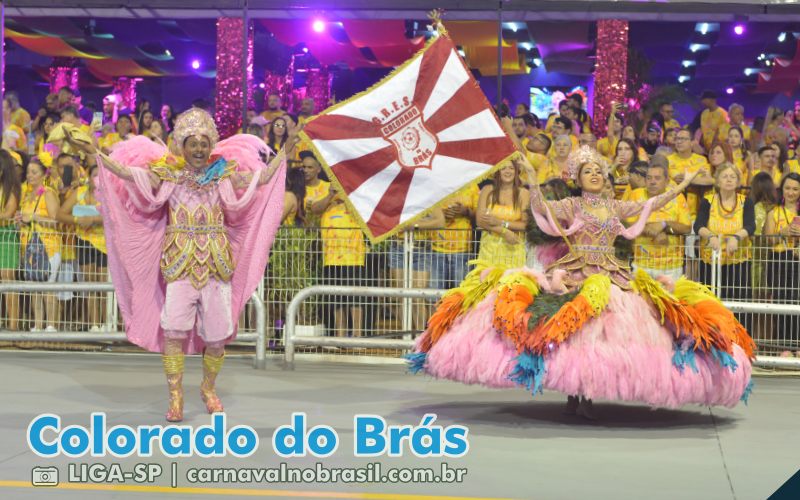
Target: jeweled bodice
(196, 245)
(592, 245)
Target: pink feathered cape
(135, 221)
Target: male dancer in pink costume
(188, 241)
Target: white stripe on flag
(370, 104)
(478, 126)
(366, 197)
(340, 150)
(452, 78)
(447, 174)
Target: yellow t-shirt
(651, 255)
(537, 161)
(607, 146)
(548, 169)
(678, 165)
(711, 123)
(94, 234)
(553, 143)
(740, 161)
(782, 217)
(726, 224)
(315, 193)
(342, 240)
(671, 123)
(457, 235)
(50, 236)
(107, 142)
(271, 115)
(21, 119)
(726, 127)
(15, 137)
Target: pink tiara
(582, 156)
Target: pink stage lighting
(318, 26)
(739, 29)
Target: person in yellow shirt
(607, 146)
(668, 112)
(739, 152)
(556, 164)
(736, 117)
(768, 162)
(13, 136)
(683, 159)
(539, 144)
(71, 115)
(563, 106)
(520, 128)
(637, 175)
(588, 139)
(124, 126)
(80, 208)
(725, 223)
(658, 250)
(712, 119)
(19, 116)
(344, 255)
(273, 108)
(318, 191)
(38, 209)
(451, 245)
(562, 126)
(783, 268)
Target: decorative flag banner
(400, 148)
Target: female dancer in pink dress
(587, 327)
(188, 240)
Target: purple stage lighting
(739, 29)
(196, 64)
(729, 90)
(318, 26)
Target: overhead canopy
(147, 46)
(518, 10)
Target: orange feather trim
(724, 321)
(569, 319)
(440, 322)
(510, 315)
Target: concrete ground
(520, 447)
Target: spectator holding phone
(783, 263)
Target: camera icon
(44, 476)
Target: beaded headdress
(195, 122)
(582, 156)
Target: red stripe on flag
(334, 127)
(461, 106)
(433, 61)
(490, 150)
(353, 173)
(387, 213)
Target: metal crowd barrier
(291, 340)
(291, 317)
(260, 361)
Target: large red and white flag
(421, 134)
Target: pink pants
(210, 307)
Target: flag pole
(499, 54)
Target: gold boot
(173, 367)
(211, 367)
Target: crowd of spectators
(743, 208)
